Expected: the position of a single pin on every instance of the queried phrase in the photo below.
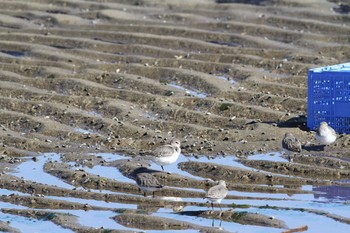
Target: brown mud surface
(79, 78)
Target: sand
(83, 77)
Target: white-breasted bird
(325, 135)
(166, 154)
(217, 193)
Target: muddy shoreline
(88, 88)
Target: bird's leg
(212, 205)
(144, 194)
(140, 190)
(153, 194)
(164, 171)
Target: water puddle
(109, 172)
(332, 199)
(34, 171)
(96, 219)
(69, 199)
(61, 46)
(271, 195)
(95, 202)
(252, 2)
(188, 91)
(331, 207)
(273, 157)
(332, 193)
(84, 131)
(114, 173)
(32, 225)
(94, 113)
(226, 78)
(25, 224)
(173, 168)
(9, 192)
(14, 53)
(315, 223)
(91, 218)
(228, 160)
(108, 157)
(106, 172)
(216, 223)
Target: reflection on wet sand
(180, 205)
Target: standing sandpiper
(325, 134)
(147, 183)
(291, 143)
(167, 154)
(217, 193)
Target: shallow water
(96, 219)
(225, 77)
(332, 193)
(14, 53)
(95, 202)
(83, 131)
(332, 199)
(315, 223)
(228, 226)
(32, 225)
(274, 156)
(107, 172)
(188, 91)
(228, 160)
(34, 171)
(27, 224)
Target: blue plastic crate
(329, 97)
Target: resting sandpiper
(291, 143)
(167, 154)
(217, 193)
(325, 134)
(147, 183)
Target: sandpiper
(325, 134)
(147, 183)
(291, 143)
(167, 154)
(217, 193)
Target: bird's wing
(217, 192)
(292, 144)
(332, 131)
(148, 180)
(163, 151)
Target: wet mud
(89, 88)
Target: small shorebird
(167, 154)
(325, 134)
(147, 183)
(291, 143)
(217, 193)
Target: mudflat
(87, 88)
